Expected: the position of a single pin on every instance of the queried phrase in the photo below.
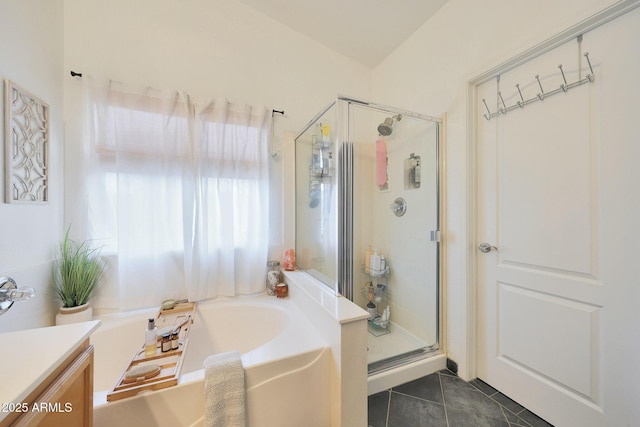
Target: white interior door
(551, 296)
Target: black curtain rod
(74, 74)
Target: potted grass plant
(79, 271)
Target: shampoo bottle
(150, 338)
(375, 261)
(367, 258)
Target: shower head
(386, 127)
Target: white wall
(430, 71)
(31, 53)
(210, 47)
(217, 48)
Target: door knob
(486, 247)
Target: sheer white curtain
(227, 219)
(177, 192)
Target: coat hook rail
(564, 87)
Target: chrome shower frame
(344, 284)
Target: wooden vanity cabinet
(64, 398)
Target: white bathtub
(287, 365)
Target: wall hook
(504, 109)
(488, 115)
(589, 76)
(541, 94)
(563, 86)
(521, 102)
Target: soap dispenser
(150, 338)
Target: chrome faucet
(10, 293)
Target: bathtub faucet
(9, 293)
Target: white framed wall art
(26, 120)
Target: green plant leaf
(79, 271)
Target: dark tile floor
(444, 400)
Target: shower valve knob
(399, 206)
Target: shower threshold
(398, 344)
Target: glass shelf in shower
(376, 273)
(375, 329)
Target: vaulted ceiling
(364, 30)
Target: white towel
(224, 391)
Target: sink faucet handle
(20, 294)
(9, 293)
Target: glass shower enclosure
(367, 221)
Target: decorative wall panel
(26, 146)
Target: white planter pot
(81, 313)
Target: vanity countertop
(29, 356)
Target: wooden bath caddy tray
(169, 362)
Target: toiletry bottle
(273, 276)
(326, 132)
(385, 317)
(383, 263)
(175, 340)
(375, 261)
(166, 342)
(371, 308)
(150, 338)
(367, 258)
(378, 293)
(325, 166)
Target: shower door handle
(486, 247)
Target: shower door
(367, 183)
(395, 217)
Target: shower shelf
(316, 172)
(321, 158)
(376, 273)
(376, 327)
(377, 330)
(321, 169)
